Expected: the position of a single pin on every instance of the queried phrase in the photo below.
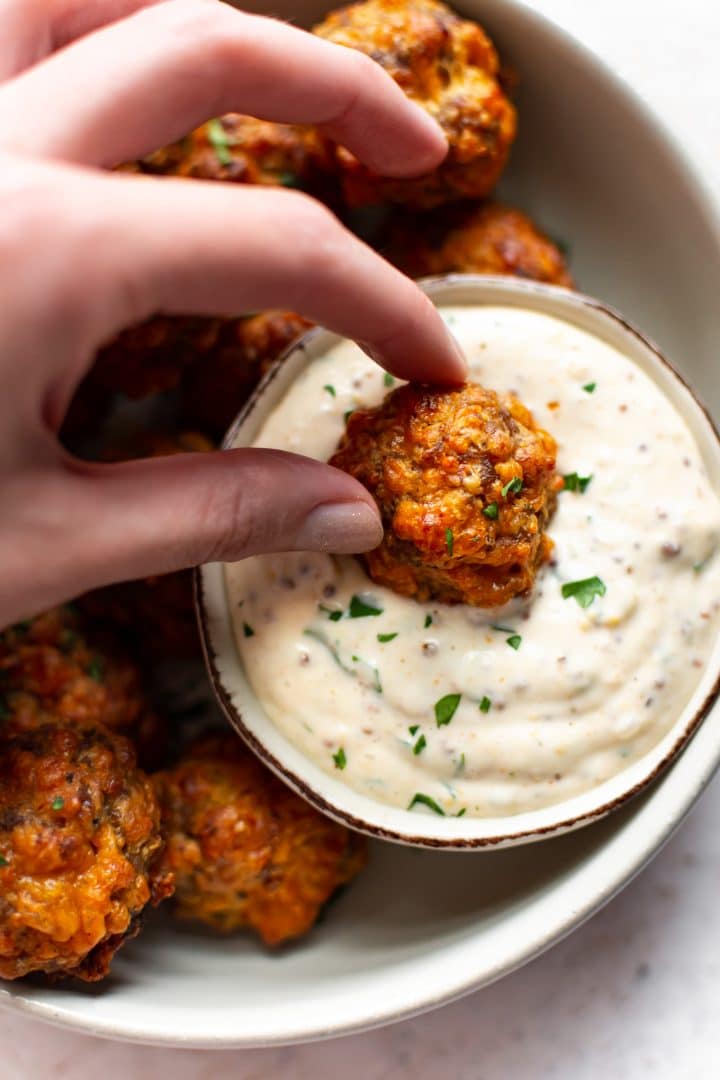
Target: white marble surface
(636, 992)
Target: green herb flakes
(491, 511)
(340, 759)
(446, 708)
(425, 800)
(360, 608)
(413, 728)
(461, 813)
(420, 745)
(288, 179)
(3, 861)
(513, 487)
(514, 641)
(449, 541)
(95, 669)
(220, 141)
(388, 379)
(428, 621)
(485, 705)
(383, 638)
(248, 630)
(347, 415)
(584, 591)
(57, 803)
(333, 614)
(574, 482)
(330, 389)
(590, 387)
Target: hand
(84, 253)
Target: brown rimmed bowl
(331, 795)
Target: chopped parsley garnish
(330, 389)
(288, 179)
(589, 387)
(449, 541)
(248, 630)
(388, 379)
(360, 608)
(347, 415)
(513, 487)
(446, 708)
(574, 482)
(382, 638)
(340, 759)
(57, 803)
(334, 614)
(420, 745)
(514, 641)
(425, 800)
(377, 685)
(95, 669)
(413, 728)
(220, 141)
(3, 861)
(461, 812)
(428, 621)
(491, 511)
(461, 763)
(485, 705)
(584, 591)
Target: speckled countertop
(636, 992)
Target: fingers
(145, 81)
(201, 248)
(30, 29)
(116, 522)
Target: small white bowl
(331, 795)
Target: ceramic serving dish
(327, 792)
(420, 927)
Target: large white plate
(421, 928)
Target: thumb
(161, 514)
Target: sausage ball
(484, 239)
(466, 484)
(450, 67)
(244, 850)
(155, 616)
(79, 846)
(218, 384)
(243, 150)
(51, 668)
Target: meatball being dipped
(79, 846)
(449, 66)
(245, 850)
(485, 238)
(466, 484)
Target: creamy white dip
(584, 692)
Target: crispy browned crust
(436, 461)
(450, 67)
(245, 851)
(476, 239)
(79, 840)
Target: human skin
(85, 252)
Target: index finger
(147, 80)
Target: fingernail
(340, 528)
(460, 372)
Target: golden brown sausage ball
(79, 847)
(466, 484)
(51, 669)
(218, 384)
(450, 67)
(485, 239)
(243, 150)
(244, 850)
